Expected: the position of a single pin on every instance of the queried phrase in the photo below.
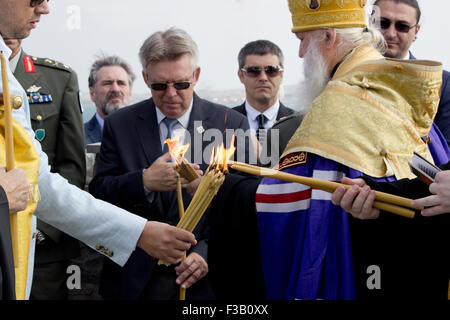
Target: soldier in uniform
(53, 95)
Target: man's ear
(330, 38)
(92, 93)
(145, 77)
(240, 75)
(417, 30)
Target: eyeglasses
(255, 71)
(35, 3)
(399, 26)
(162, 86)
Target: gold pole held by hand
(9, 148)
(385, 201)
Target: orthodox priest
(367, 117)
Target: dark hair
(108, 61)
(259, 47)
(411, 3)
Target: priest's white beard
(316, 76)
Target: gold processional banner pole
(9, 148)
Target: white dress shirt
(179, 129)
(271, 114)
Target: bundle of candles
(207, 189)
(383, 201)
(182, 166)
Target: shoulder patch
(51, 63)
(293, 159)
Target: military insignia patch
(29, 65)
(38, 97)
(33, 89)
(40, 134)
(293, 159)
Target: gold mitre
(310, 15)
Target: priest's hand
(191, 270)
(358, 204)
(439, 201)
(161, 175)
(165, 242)
(16, 187)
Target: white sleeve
(110, 230)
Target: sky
(77, 30)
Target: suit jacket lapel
(148, 131)
(241, 109)
(26, 79)
(282, 112)
(199, 113)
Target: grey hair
(109, 61)
(168, 45)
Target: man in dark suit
(14, 190)
(134, 171)
(55, 111)
(261, 72)
(399, 24)
(110, 83)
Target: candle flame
(176, 150)
(220, 156)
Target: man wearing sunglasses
(261, 73)
(399, 23)
(135, 170)
(110, 230)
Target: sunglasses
(399, 26)
(35, 3)
(255, 71)
(162, 86)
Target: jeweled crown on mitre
(310, 15)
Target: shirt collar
(14, 61)
(183, 120)
(100, 120)
(5, 49)
(271, 113)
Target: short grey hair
(109, 61)
(168, 45)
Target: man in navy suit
(399, 24)
(110, 84)
(261, 72)
(135, 172)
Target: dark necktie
(170, 124)
(262, 119)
